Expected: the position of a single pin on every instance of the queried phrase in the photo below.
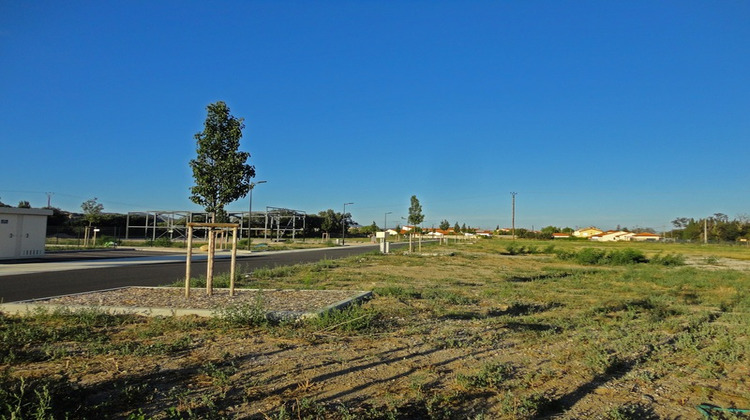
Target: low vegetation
(494, 329)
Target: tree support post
(234, 261)
(210, 262)
(189, 258)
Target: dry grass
(464, 331)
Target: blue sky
(595, 113)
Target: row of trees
(718, 228)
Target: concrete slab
(29, 307)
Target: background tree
(24, 205)
(220, 170)
(444, 225)
(456, 228)
(369, 230)
(331, 221)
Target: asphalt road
(38, 285)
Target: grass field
(493, 329)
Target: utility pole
(49, 199)
(385, 221)
(513, 217)
(705, 230)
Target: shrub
(591, 256)
(669, 260)
(515, 249)
(354, 318)
(162, 242)
(397, 292)
(244, 315)
(625, 257)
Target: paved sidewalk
(179, 255)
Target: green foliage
(397, 292)
(492, 375)
(415, 211)
(266, 273)
(669, 260)
(626, 256)
(516, 248)
(92, 210)
(163, 242)
(332, 221)
(352, 319)
(20, 399)
(448, 296)
(245, 315)
(220, 170)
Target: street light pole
(513, 217)
(343, 223)
(385, 221)
(250, 212)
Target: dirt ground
(438, 341)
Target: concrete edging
(28, 307)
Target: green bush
(514, 249)
(669, 260)
(245, 315)
(354, 318)
(625, 257)
(590, 256)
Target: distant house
(485, 233)
(560, 235)
(587, 232)
(612, 235)
(645, 236)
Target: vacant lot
(495, 329)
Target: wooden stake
(210, 263)
(189, 258)
(232, 270)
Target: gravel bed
(174, 297)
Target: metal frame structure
(285, 219)
(173, 224)
(161, 223)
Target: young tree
(220, 170)
(415, 218)
(444, 225)
(92, 212)
(415, 211)
(456, 228)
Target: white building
(22, 232)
